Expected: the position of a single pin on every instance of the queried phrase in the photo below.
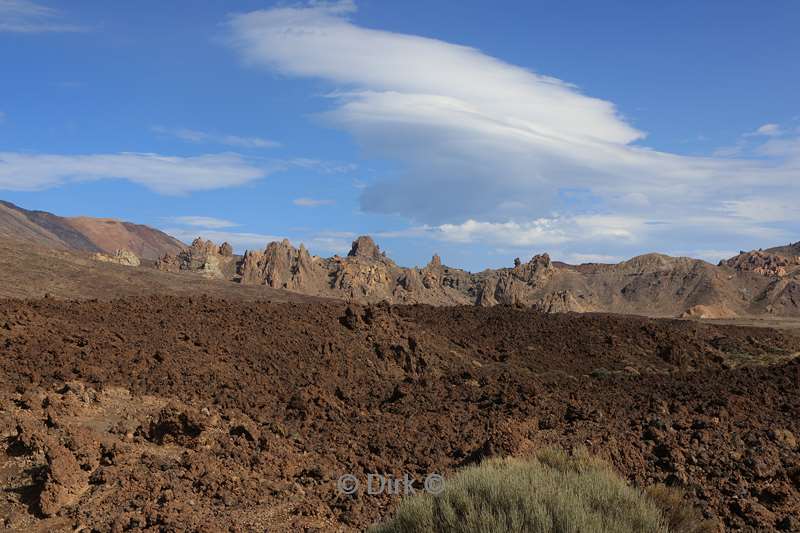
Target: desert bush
(552, 492)
(680, 516)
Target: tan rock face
(561, 302)
(203, 257)
(120, 257)
(280, 266)
(365, 247)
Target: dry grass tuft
(550, 493)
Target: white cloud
(541, 232)
(764, 209)
(2, 117)
(783, 148)
(24, 16)
(162, 174)
(198, 137)
(710, 256)
(734, 150)
(239, 240)
(475, 135)
(322, 244)
(319, 41)
(767, 130)
(779, 144)
(311, 202)
(581, 258)
(204, 222)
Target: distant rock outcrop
(652, 284)
(366, 248)
(120, 257)
(280, 266)
(763, 263)
(203, 257)
(561, 302)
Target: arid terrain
(206, 391)
(339, 266)
(29, 270)
(193, 413)
(762, 284)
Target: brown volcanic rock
(790, 250)
(203, 412)
(65, 481)
(764, 263)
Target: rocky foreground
(200, 414)
(758, 283)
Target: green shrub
(552, 492)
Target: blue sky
(594, 131)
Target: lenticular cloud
(485, 134)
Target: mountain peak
(365, 247)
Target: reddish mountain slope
(84, 234)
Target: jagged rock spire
(365, 247)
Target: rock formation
(763, 263)
(120, 257)
(751, 283)
(280, 266)
(203, 257)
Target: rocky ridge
(752, 283)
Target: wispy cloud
(579, 258)
(2, 117)
(541, 232)
(204, 222)
(330, 242)
(767, 130)
(202, 137)
(311, 202)
(162, 174)
(324, 167)
(764, 209)
(489, 136)
(769, 140)
(239, 240)
(24, 16)
(188, 228)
